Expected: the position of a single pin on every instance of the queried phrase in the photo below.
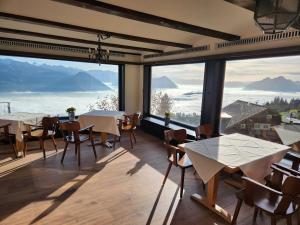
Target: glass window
(178, 89)
(264, 94)
(51, 86)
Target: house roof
(288, 133)
(241, 110)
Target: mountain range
(278, 84)
(163, 82)
(22, 76)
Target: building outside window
(178, 89)
(51, 86)
(262, 94)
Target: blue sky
(79, 65)
(236, 70)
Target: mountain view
(278, 84)
(163, 82)
(22, 76)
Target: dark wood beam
(82, 41)
(61, 45)
(148, 18)
(66, 26)
(61, 57)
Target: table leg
(209, 201)
(104, 140)
(19, 147)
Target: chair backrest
(179, 135)
(49, 124)
(70, 129)
(5, 128)
(204, 131)
(133, 120)
(290, 191)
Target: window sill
(172, 126)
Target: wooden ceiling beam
(69, 39)
(62, 45)
(49, 23)
(148, 18)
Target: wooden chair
(277, 204)
(204, 131)
(7, 136)
(176, 156)
(73, 134)
(128, 125)
(46, 130)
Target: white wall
(133, 88)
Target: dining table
(18, 124)
(105, 122)
(230, 153)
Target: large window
(51, 86)
(178, 89)
(262, 98)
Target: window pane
(262, 99)
(178, 89)
(51, 86)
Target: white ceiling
(214, 14)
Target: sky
(236, 70)
(79, 65)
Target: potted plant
(167, 118)
(71, 113)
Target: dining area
(232, 179)
(20, 128)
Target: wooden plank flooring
(120, 187)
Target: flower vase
(71, 116)
(167, 121)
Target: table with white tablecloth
(232, 152)
(18, 121)
(105, 122)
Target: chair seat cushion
(39, 133)
(184, 161)
(269, 204)
(82, 138)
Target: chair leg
(64, 153)
(131, 140)
(273, 220)
(54, 143)
(13, 146)
(237, 211)
(76, 149)
(78, 154)
(115, 140)
(25, 149)
(93, 145)
(42, 144)
(255, 213)
(167, 173)
(133, 134)
(289, 220)
(182, 182)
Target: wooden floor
(121, 187)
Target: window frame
(149, 82)
(121, 68)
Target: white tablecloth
(17, 121)
(252, 155)
(103, 121)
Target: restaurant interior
(201, 123)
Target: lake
(187, 98)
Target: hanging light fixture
(275, 16)
(98, 54)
